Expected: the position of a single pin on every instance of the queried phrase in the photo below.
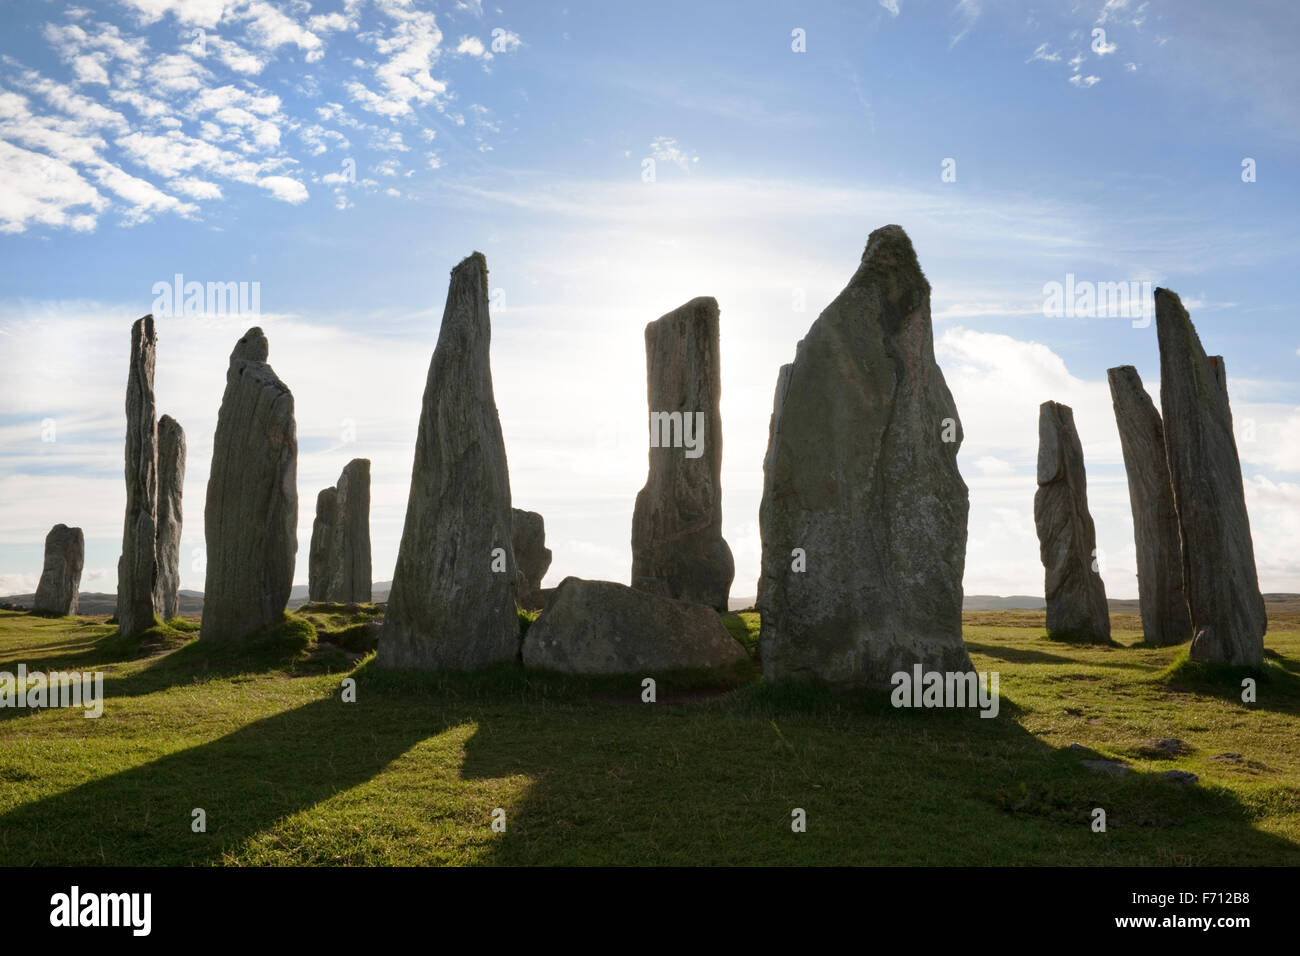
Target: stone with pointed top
(137, 568)
(863, 516)
(449, 607)
(1227, 609)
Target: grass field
(585, 772)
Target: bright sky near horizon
(345, 154)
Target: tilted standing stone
(1163, 601)
(251, 514)
(137, 568)
(452, 604)
(349, 580)
(321, 556)
(1227, 609)
(532, 556)
(1067, 539)
(65, 553)
(864, 512)
(171, 485)
(677, 545)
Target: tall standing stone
(171, 485)
(65, 553)
(452, 604)
(321, 556)
(251, 514)
(1227, 609)
(137, 568)
(350, 562)
(864, 512)
(1161, 596)
(532, 556)
(1067, 539)
(677, 545)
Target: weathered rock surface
(1067, 540)
(320, 557)
(532, 556)
(1162, 599)
(65, 553)
(448, 608)
(861, 484)
(171, 486)
(251, 513)
(600, 627)
(137, 568)
(1227, 609)
(349, 579)
(677, 544)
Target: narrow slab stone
(349, 580)
(1161, 597)
(137, 568)
(171, 487)
(251, 513)
(1067, 539)
(600, 627)
(65, 554)
(677, 544)
(863, 516)
(452, 604)
(321, 555)
(532, 556)
(1227, 609)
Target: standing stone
(137, 568)
(171, 484)
(321, 555)
(677, 545)
(65, 552)
(349, 567)
(251, 514)
(1227, 609)
(1163, 601)
(452, 604)
(863, 516)
(1067, 540)
(532, 556)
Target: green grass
(256, 734)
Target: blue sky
(345, 155)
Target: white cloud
(891, 6)
(285, 189)
(472, 46)
(1042, 52)
(411, 48)
(42, 190)
(1083, 82)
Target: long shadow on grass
(719, 782)
(244, 781)
(616, 780)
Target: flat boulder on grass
(600, 627)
